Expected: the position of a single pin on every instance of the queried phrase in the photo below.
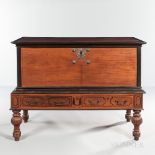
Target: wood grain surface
(111, 67)
(49, 67)
(45, 67)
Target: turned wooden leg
(128, 115)
(136, 120)
(16, 121)
(25, 116)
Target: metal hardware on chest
(81, 54)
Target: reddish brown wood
(25, 116)
(128, 115)
(16, 121)
(136, 120)
(72, 101)
(138, 101)
(110, 67)
(43, 67)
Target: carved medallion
(120, 101)
(94, 101)
(59, 101)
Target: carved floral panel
(77, 101)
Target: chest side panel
(111, 67)
(45, 67)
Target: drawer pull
(80, 52)
(74, 62)
(88, 61)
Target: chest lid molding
(27, 41)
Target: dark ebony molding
(79, 90)
(77, 46)
(18, 66)
(78, 41)
(139, 66)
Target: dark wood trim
(78, 40)
(77, 46)
(18, 66)
(139, 66)
(79, 90)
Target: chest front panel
(48, 67)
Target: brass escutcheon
(81, 54)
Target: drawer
(50, 67)
(108, 101)
(76, 101)
(39, 101)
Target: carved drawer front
(41, 101)
(108, 101)
(46, 101)
(76, 101)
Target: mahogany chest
(78, 74)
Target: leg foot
(25, 116)
(136, 120)
(128, 115)
(16, 121)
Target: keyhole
(80, 53)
